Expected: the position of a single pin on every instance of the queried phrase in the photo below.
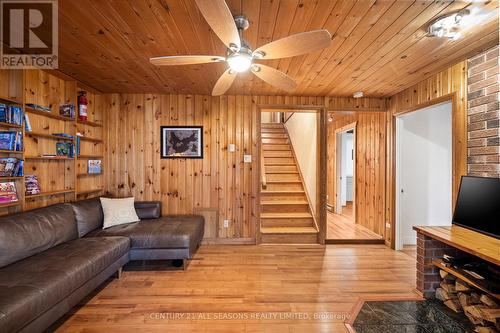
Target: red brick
(484, 150)
(483, 66)
(483, 116)
(483, 100)
(477, 159)
(476, 78)
(475, 61)
(492, 159)
(492, 54)
(476, 143)
(484, 167)
(493, 106)
(481, 84)
(476, 126)
(490, 72)
(492, 89)
(484, 133)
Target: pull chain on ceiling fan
(240, 57)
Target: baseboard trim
(355, 241)
(229, 241)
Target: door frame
(398, 119)
(337, 167)
(321, 163)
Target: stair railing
(262, 169)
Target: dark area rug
(428, 316)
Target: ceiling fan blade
(220, 19)
(224, 82)
(274, 77)
(293, 45)
(185, 60)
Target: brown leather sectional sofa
(52, 257)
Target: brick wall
(483, 114)
(428, 249)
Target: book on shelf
(11, 140)
(78, 144)
(67, 110)
(94, 166)
(66, 149)
(32, 185)
(8, 192)
(11, 167)
(11, 114)
(38, 107)
(27, 123)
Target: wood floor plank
(342, 226)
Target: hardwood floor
(226, 288)
(343, 227)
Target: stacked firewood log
(481, 309)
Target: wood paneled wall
(370, 166)
(220, 180)
(449, 84)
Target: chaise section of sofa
(45, 269)
(155, 237)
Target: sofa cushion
(183, 231)
(31, 286)
(88, 214)
(26, 234)
(148, 209)
(118, 211)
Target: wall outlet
(388, 225)
(232, 147)
(247, 158)
(226, 223)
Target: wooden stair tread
(276, 181)
(288, 230)
(292, 215)
(277, 163)
(285, 202)
(281, 172)
(282, 191)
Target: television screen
(478, 205)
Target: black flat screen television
(478, 205)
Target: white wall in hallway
(302, 128)
(424, 166)
(347, 167)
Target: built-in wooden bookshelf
(61, 179)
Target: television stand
(433, 242)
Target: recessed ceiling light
(357, 94)
(448, 26)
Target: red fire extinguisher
(82, 105)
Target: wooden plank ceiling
(378, 47)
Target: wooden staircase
(286, 216)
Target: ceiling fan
(240, 56)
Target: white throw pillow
(118, 211)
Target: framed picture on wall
(181, 141)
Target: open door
(423, 171)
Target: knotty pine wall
(369, 169)
(451, 82)
(220, 180)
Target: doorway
(423, 171)
(292, 190)
(345, 174)
(342, 226)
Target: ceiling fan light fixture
(448, 26)
(239, 62)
